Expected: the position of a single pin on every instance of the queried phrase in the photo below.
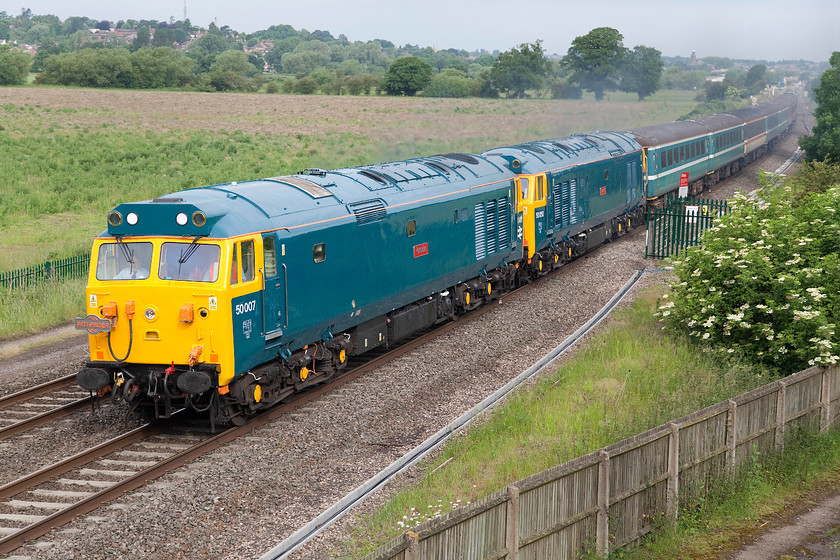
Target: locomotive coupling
(93, 379)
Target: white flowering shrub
(765, 283)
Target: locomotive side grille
(504, 223)
(368, 211)
(492, 227)
(565, 195)
(480, 232)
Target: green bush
(14, 66)
(448, 85)
(766, 282)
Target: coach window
(319, 253)
(248, 260)
(411, 226)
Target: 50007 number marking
(246, 307)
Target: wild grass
(40, 306)
(64, 184)
(729, 515)
(628, 378)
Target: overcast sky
(744, 29)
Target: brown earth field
(395, 123)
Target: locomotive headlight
(131, 218)
(115, 219)
(199, 219)
(181, 218)
(150, 314)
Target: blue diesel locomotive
(231, 297)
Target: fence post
(411, 550)
(672, 500)
(825, 407)
(512, 523)
(780, 415)
(47, 270)
(731, 439)
(602, 532)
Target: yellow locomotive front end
(157, 313)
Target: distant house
(113, 35)
(29, 49)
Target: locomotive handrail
(262, 296)
(286, 294)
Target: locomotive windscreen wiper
(185, 255)
(127, 252)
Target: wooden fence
(71, 267)
(612, 497)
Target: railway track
(36, 503)
(41, 404)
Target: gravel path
(249, 495)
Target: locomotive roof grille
(312, 189)
(368, 211)
(438, 166)
(378, 177)
(466, 158)
(167, 200)
(531, 148)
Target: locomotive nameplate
(420, 250)
(93, 324)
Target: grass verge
(629, 377)
(779, 485)
(41, 306)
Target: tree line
(181, 55)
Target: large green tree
(595, 60)
(641, 71)
(14, 66)
(520, 69)
(406, 76)
(824, 143)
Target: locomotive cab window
(248, 260)
(523, 188)
(540, 188)
(319, 253)
(606, 174)
(124, 261)
(189, 262)
(269, 256)
(234, 265)
(411, 227)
